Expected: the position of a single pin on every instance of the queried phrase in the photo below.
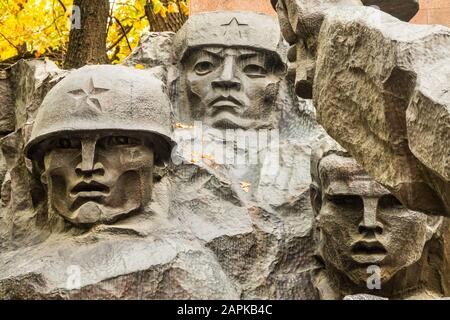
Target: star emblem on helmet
(233, 28)
(88, 96)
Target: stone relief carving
(205, 230)
(367, 239)
(232, 101)
(230, 70)
(95, 140)
(202, 230)
(379, 90)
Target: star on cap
(88, 97)
(233, 28)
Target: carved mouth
(225, 104)
(368, 248)
(368, 252)
(91, 190)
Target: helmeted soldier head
(95, 141)
(360, 222)
(231, 67)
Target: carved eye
(65, 143)
(389, 202)
(255, 71)
(121, 141)
(203, 67)
(347, 201)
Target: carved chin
(92, 212)
(130, 192)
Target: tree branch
(124, 33)
(62, 5)
(111, 11)
(12, 44)
(119, 39)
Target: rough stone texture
(212, 231)
(256, 218)
(399, 129)
(95, 138)
(145, 257)
(272, 255)
(369, 242)
(154, 49)
(234, 91)
(7, 120)
(381, 90)
(31, 80)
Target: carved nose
(369, 224)
(88, 165)
(366, 229)
(227, 79)
(97, 169)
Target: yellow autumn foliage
(41, 27)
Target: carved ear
(433, 223)
(316, 198)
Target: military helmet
(231, 28)
(102, 98)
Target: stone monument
(381, 89)
(368, 241)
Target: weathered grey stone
(202, 236)
(154, 49)
(403, 139)
(207, 228)
(95, 140)
(31, 80)
(149, 257)
(7, 117)
(381, 90)
(155, 53)
(369, 242)
(255, 216)
(263, 185)
(230, 70)
(20, 207)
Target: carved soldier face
(362, 224)
(232, 87)
(94, 178)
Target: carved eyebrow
(248, 55)
(215, 53)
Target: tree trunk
(87, 44)
(172, 22)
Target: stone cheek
(201, 236)
(98, 179)
(231, 87)
(229, 70)
(206, 229)
(367, 236)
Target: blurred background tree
(110, 29)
